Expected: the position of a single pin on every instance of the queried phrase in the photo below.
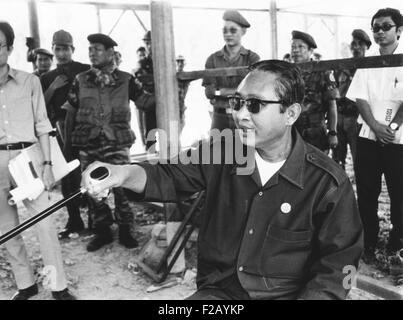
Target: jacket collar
(223, 51)
(293, 168)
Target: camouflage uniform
(347, 114)
(320, 88)
(102, 132)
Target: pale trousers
(45, 231)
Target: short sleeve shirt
(382, 88)
(220, 59)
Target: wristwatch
(332, 133)
(49, 163)
(394, 126)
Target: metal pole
(273, 23)
(139, 20)
(40, 216)
(33, 22)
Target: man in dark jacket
(290, 229)
(56, 85)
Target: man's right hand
(60, 81)
(117, 176)
(383, 133)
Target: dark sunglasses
(230, 30)
(384, 27)
(253, 105)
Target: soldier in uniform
(347, 112)
(100, 98)
(147, 116)
(43, 61)
(233, 54)
(320, 97)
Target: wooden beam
(394, 60)
(378, 288)
(104, 5)
(166, 84)
(273, 29)
(33, 22)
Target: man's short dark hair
(394, 14)
(8, 31)
(290, 86)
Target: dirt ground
(107, 274)
(111, 274)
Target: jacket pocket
(285, 253)
(120, 116)
(84, 115)
(125, 137)
(80, 135)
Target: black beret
(235, 16)
(361, 35)
(107, 41)
(44, 52)
(304, 37)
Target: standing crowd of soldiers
(88, 108)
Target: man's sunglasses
(253, 105)
(384, 27)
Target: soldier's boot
(103, 236)
(125, 237)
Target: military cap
(62, 37)
(107, 41)
(147, 36)
(307, 38)
(43, 51)
(361, 35)
(180, 58)
(235, 16)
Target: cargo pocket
(125, 136)
(84, 115)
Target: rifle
(97, 174)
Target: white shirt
(383, 89)
(266, 169)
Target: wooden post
(273, 23)
(33, 22)
(166, 84)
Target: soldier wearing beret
(233, 54)
(320, 97)
(99, 100)
(56, 85)
(43, 61)
(347, 112)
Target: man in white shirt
(378, 93)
